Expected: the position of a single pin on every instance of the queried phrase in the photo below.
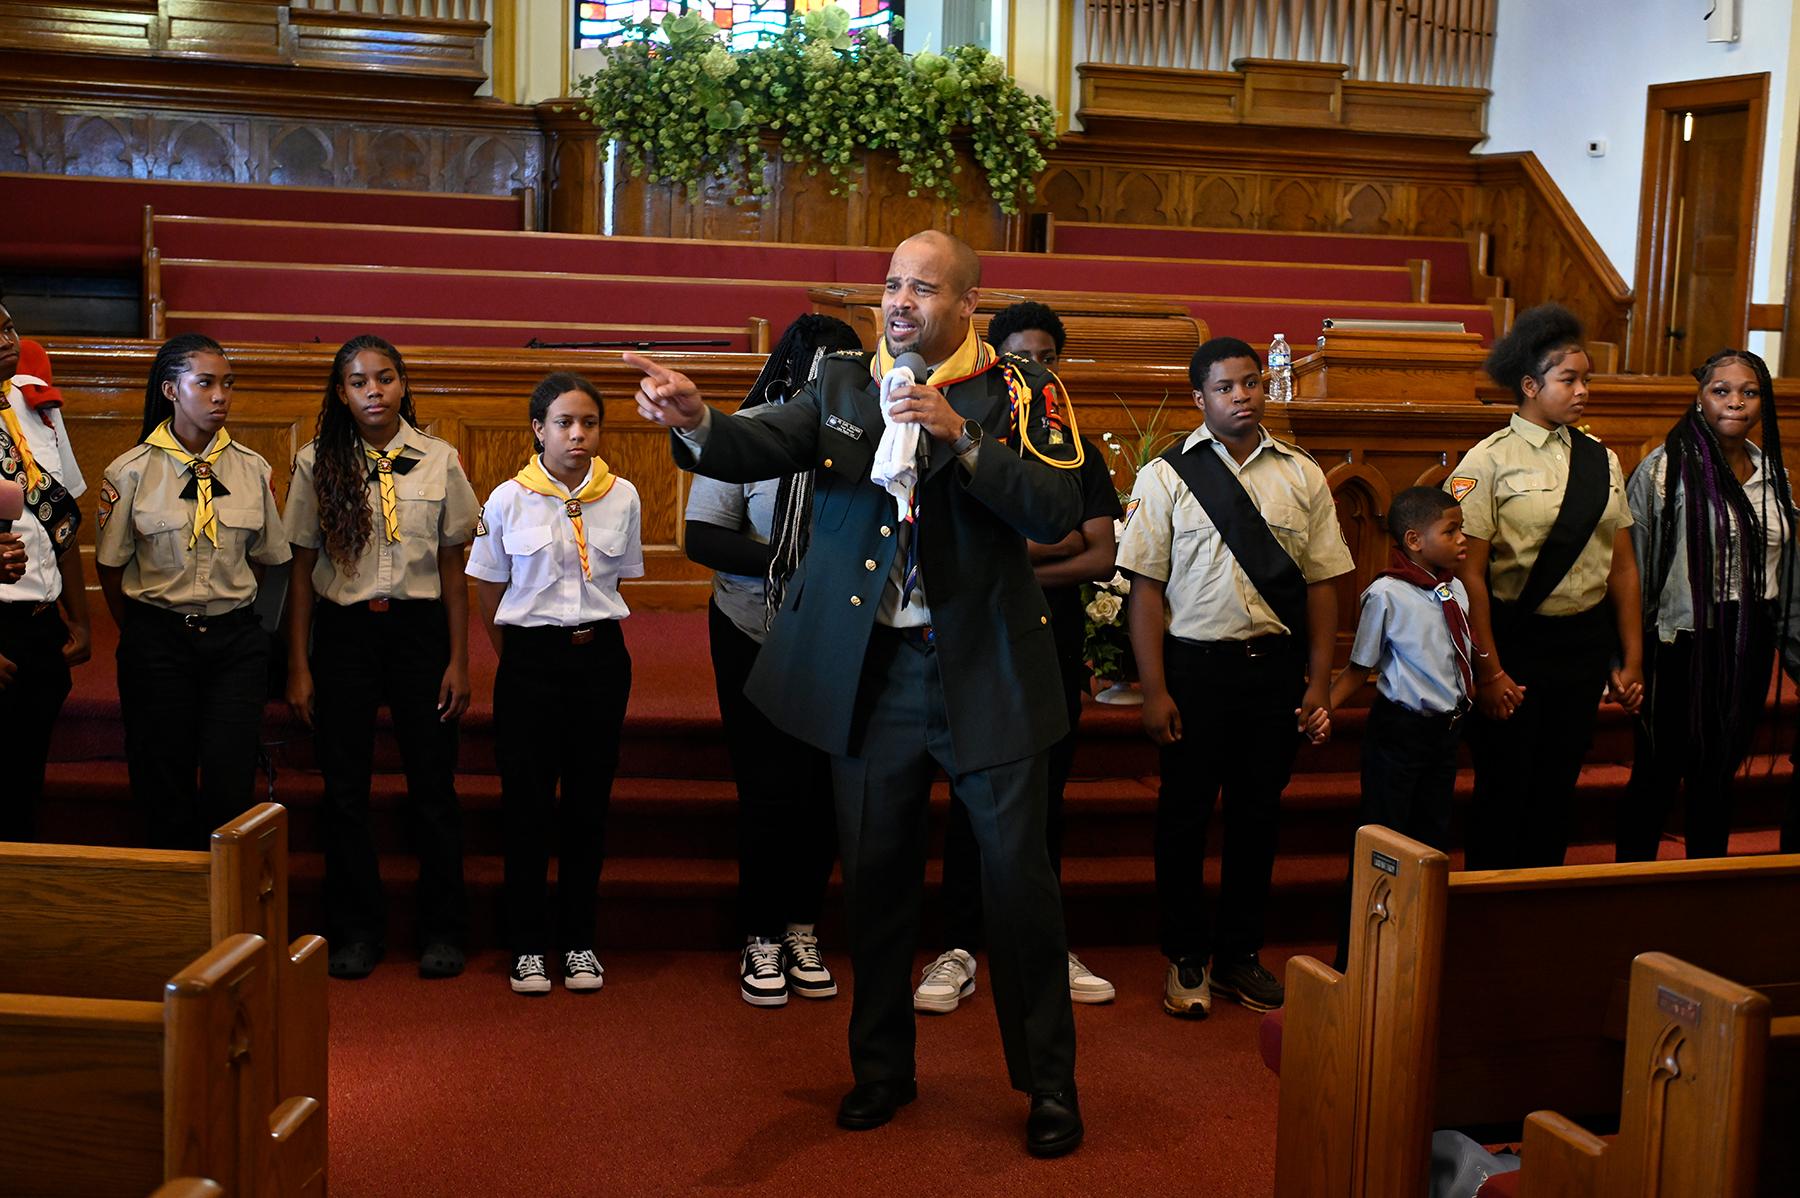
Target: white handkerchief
(896, 466)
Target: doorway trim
(1657, 221)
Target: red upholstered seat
(57, 222)
(1268, 1039)
(1500, 1185)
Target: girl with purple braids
(1714, 525)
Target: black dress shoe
(355, 960)
(1054, 1126)
(870, 1104)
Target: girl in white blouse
(551, 546)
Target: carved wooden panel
(255, 148)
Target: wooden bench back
(107, 1097)
(1537, 968)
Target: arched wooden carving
(1362, 497)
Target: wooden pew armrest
(305, 1020)
(297, 1128)
(1559, 1158)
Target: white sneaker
(529, 976)
(582, 970)
(946, 982)
(1085, 985)
(805, 968)
(761, 981)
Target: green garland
(690, 109)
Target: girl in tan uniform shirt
(1539, 673)
(381, 616)
(187, 521)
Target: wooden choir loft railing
(432, 10)
(1434, 42)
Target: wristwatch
(971, 437)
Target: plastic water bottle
(1281, 370)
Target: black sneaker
(1248, 983)
(763, 982)
(529, 975)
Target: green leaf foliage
(685, 109)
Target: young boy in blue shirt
(1414, 632)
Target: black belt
(1256, 646)
(571, 634)
(25, 609)
(197, 622)
(1442, 721)
(382, 605)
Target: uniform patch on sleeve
(109, 495)
(481, 526)
(1131, 510)
(1460, 487)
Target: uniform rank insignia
(1131, 510)
(843, 426)
(481, 526)
(1460, 487)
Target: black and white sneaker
(804, 966)
(582, 970)
(764, 985)
(1248, 983)
(528, 974)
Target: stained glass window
(745, 21)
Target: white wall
(924, 19)
(1568, 71)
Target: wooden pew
(114, 924)
(1706, 1106)
(189, 1187)
(106, 1097)
(1474, 999)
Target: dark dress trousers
(983, 699)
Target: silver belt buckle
(197, 623)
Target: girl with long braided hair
(187, 522)
(378, 613)
(1714, 525)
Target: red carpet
(665, 1082)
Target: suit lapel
(972, 400)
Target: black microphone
(12, 503)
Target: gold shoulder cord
(1021, 399)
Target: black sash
(51, 505)
(1274, 573)
(1584, 502)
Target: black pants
(1526, 766)
(1671, 758)
(1238, 743)
(787, 833)
(192, 702)
(1408, 781)
(962, 860)
(363, 660)
(33, 641)
(559, 708)
(883, 799)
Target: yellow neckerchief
(975, 356)
(538, 481)
(384, 470)
(205, 519)
(34, 473)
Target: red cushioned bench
(1451, 280)
(316, 242)
(67, 223)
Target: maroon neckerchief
(1407, 570)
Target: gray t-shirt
(1403, 634)
(749, 509)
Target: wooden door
(1704, 281)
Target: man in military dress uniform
(915, 635)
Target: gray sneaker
(1187, 994)
(1085, 985)
(947, 981)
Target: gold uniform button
(869, 565)
(827, 463)
(1043, 619)
(856, 601)
(886, 531)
